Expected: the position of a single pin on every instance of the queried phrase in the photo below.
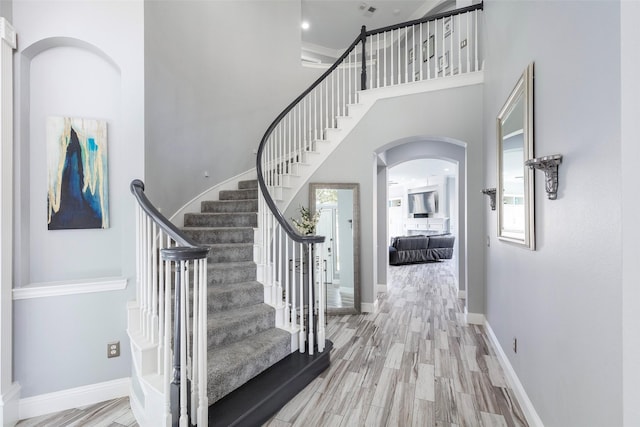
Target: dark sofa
(411, 249)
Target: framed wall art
(77, 169)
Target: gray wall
(454, 113)
(630, 154)
(6, 9)
(217, 73)
(81, 70)
(562, 301)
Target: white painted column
(9, 391)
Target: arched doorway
(414, 148)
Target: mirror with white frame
(515, 180)
(339, 222)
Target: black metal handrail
(362, 38)
(425, 19)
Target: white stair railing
(426, 49)
(171, 318)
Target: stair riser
(238, 194)
(230, 299)
(231, 275)
(246, 185)
(213, 236)
(221, 220)
(221, 382)
(236, 254)
(240, 330)
(217, 206)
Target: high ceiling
(334, 24)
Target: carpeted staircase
(242, 338)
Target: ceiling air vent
(366, 9)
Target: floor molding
(475, 318)
(514, 382)
(47, 403)
(9, 405)
(367, 307)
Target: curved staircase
(242, 337)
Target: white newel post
(9, 391)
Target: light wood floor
(413, 363)
(113, 413)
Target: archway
(422, 147)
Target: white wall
(217, 74)
(82, 59)
(562, 301)
(454, 113)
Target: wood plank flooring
(112, 413)
(413, 363)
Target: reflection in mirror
(339, 222)
(515, 181)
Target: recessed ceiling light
(304, 25)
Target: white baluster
(203, 409)
(429, 62)
(468, 33)
(321, 301)
(161, 308)
(279, 260)
(294, 283)
(287, 289)
(301, 336)
(475, 39)
(195, 354)
(273, 260)
(378, 61)
(451, 47)
(421, 52)
(406, 55)
(184, 418)
(436, 42)
(459, 31)
(310, 268)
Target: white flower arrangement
(307, 224)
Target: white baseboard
(367, 307)
(475, 318)
(381, 288)
(462, 294)
(73, 398)
(9, 405)
(514, 382)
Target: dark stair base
(257, 400)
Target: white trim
(514, 382)
(381, 288)
(475, 318)
(73, 398)
(462, 294)
(321, 50)
(367, 307)
(75, 287)
(193, 205)
(9, 405)
(7, 32)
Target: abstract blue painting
(77, 171)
